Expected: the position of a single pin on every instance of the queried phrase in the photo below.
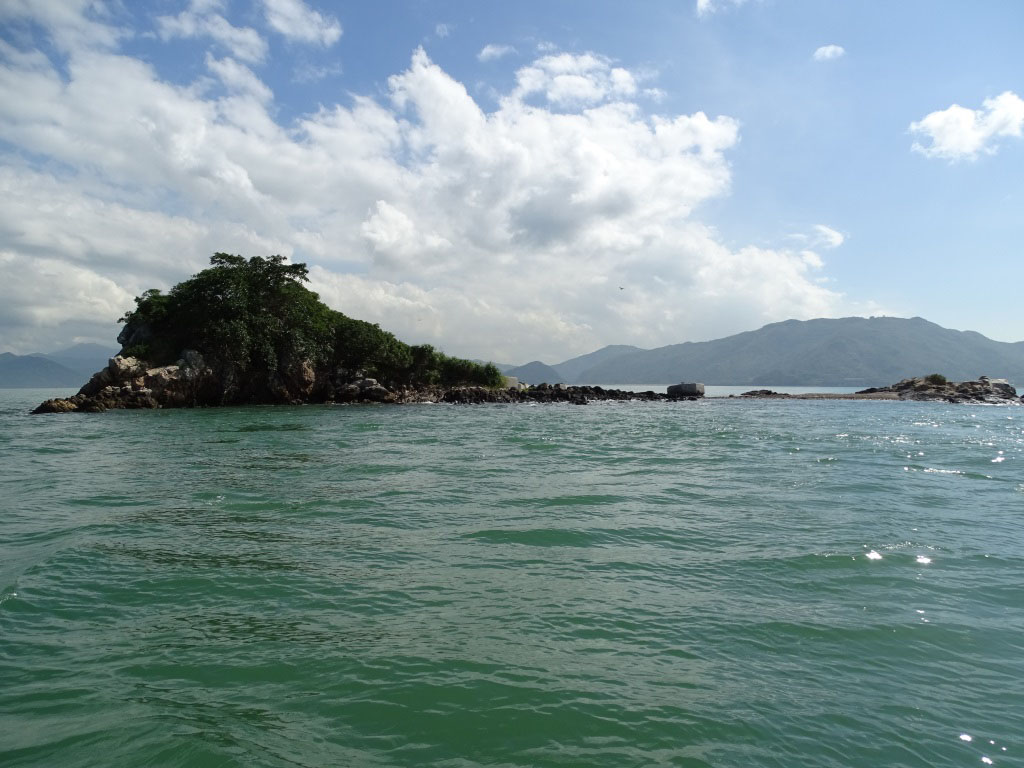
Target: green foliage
(935, 378)
(255, 320)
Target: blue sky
(517, 180)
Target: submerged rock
(765, 393)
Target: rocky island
(247, 332)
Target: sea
(725, 582)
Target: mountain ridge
(67, 367)
(852, 351)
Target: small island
(248, 332)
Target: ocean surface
(719, 583)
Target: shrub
(935, 378)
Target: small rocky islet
(935, 388)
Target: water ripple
(643, 584)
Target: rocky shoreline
(982, 390)
(128, 383)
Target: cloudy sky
(518, 180)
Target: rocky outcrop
(981, 390)
(935, 388)
(128, 382)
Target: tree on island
(258, 327)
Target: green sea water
(721, 583)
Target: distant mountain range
(69, 367)
(851, 351)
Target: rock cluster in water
(127, 382)
(936, 388)
(981, 390)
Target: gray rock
(376, 393)
(686, 389)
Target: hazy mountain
(34, 371)
(69, 367)
(570, 370)
(84, 358)
(852, 351)
(535, 373)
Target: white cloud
(829, 52)
(571, 80)
(958, 133)
(200, 20)
(828, 237)
(71, 24)
(298, 22)
(502, 234)
(72, 261)
(442, 30)
(493, 51)
(707, 7)
(42, 298)
(238, 78)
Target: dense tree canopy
(256, 318)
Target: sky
(517, 181)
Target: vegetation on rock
(259, 327)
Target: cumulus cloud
(500, 234)
(567, 79)
(959, 133)
(201, 19)
(493, 51)
(298, 22)
(829, 52)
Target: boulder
(686, 389)
(376, 394)
(124, 368)
(56, 405)
(99, 380)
